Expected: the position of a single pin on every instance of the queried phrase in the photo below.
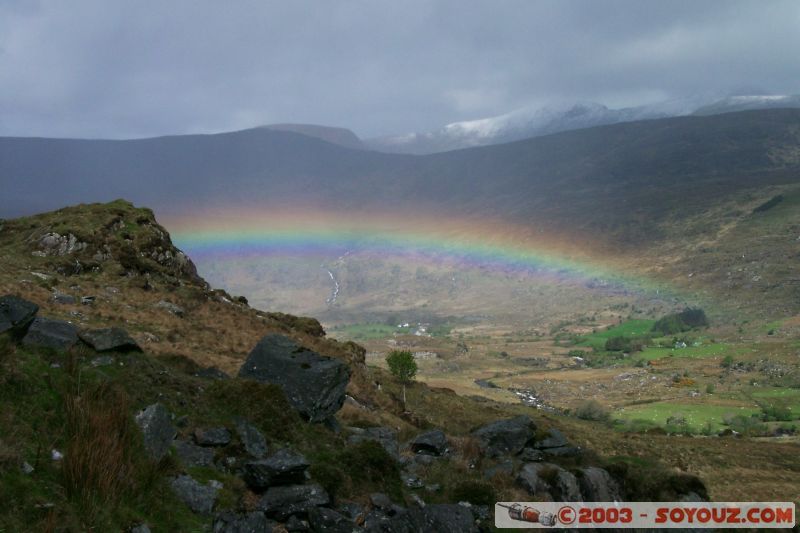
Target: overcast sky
(102, 68)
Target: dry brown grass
(99, 465)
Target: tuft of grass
(100, 463)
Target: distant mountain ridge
(333, 135)
(537, 121)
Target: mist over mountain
(537, 121)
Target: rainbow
(239, 234)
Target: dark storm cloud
(99, 68)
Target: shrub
(727, 361)
(687, 319)
(474, 492)
(769, 204)
(772, 413)
(591, 410)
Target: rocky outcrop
(48, 333)
(56, 244)
(16, 314)
(432, 442)
(282, 468)
(109, 339)
(597, 485)
(314, 384)
(283, 501)
(505, 437)
(157, 430)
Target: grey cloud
(93, 68)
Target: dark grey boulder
(49, 333)
(442, 518)
(65, 299)
(314, 384)
(282, 468)
(556, 439)
(597, 485)
(192, 455)
(534, 477)
(505, 437)
(563, 451)
(198, 497)
(16, 314)
(295, 524)
(505, 467)
(141, 528)
(322, 519)
(230, 522)
(157, 429)
(252, 439)
(109, 339)
(531, 455)
(351, 510)
(212, 436)
(384, 436)
(286, 500)
(432, 442)
(565, 488)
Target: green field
(632, 328)
(362, 332)
(697, 416)
(703, 350)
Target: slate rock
(108, 339)
(141, 528)
(212, 436)
(49, 333)
(386, 437)
(556, 439)
(314, 384)
(192, 455)
(284, 501)
(505, 437)
(322, 519)
(198, 497)
(282, 468)
(157, 429)
(16, 314)
(432, 442)
(597, 485)
(253, 440)
(230, 522)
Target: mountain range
(536, 121)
